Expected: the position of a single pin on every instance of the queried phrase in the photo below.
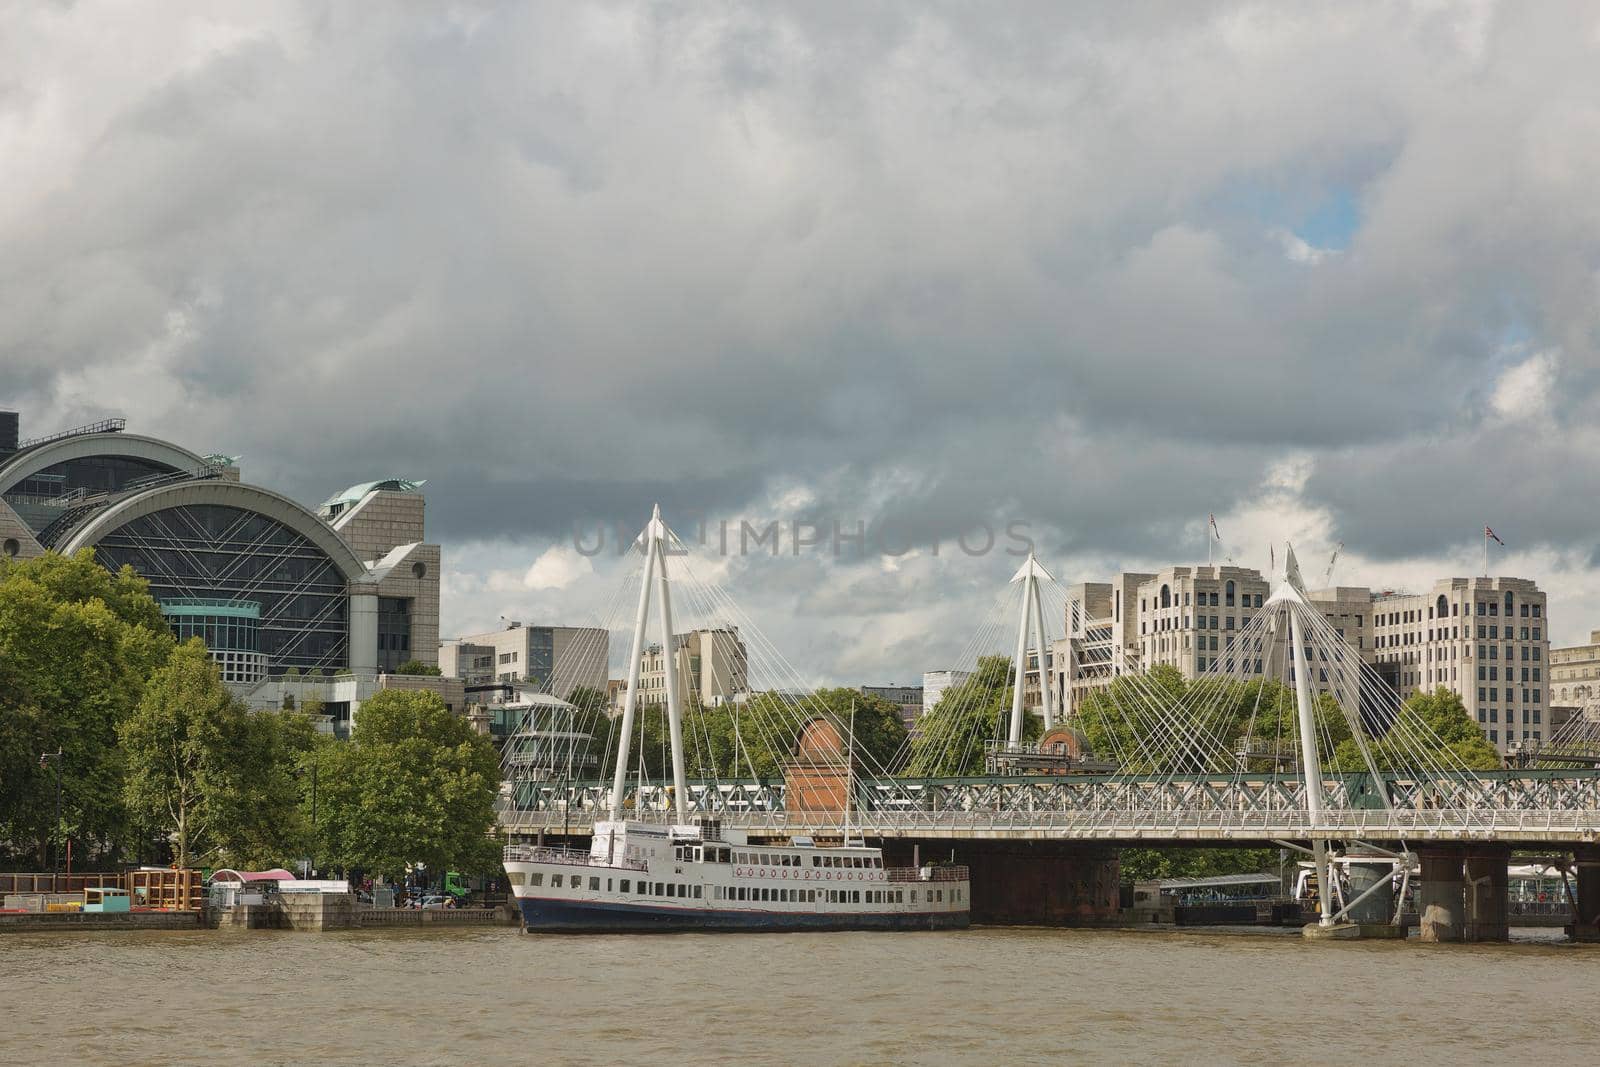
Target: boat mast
(850, 771)
(654, 539)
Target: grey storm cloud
(939, 263)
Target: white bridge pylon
(1031, 615)
(654, 539)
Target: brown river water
(993, 996)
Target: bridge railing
(1210, 823)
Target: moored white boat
(644, 876)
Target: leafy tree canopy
(77, 644)
(951, 741)
(415, 784)
(205, 771)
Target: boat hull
(543, 915)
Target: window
(594, 884)
(625, 884)
(555, 881)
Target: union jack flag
(1491, 534)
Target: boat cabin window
(555, 881)
(594, 884)
(536, 878)
(625, 883)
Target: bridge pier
(1586, 923)
(1441, 893)
(1029, 883)
(1487, 890)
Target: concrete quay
(91, 921)
(340, 911)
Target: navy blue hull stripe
(580, 916)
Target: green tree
(951, 740)
(77, 644)
(415, 784)
(1431, 731)
(587, 698)
(759, 735)
(202, 768)
(1145, 864)
(416, 666)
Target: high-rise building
(1485, 639)
(712, 667)
(552, 659)
(1186, 617)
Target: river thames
(985, 995)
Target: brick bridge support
(1441, 892)
(1029, 883)
(1487, 893)
(1587, 921)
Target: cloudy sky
(1328, 271)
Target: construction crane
(1327, 579)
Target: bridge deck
(1513, 807)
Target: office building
(1485, 639)
(1185, 617)
(274, 588)
(552, 659)
(712, 666)
(908, 698)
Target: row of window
(1511, 735)
(1493, 673)
(1511, 713)
(1202, 599)
(1511, 695)
(747, 894)
(1489, 608)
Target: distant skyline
(1330, 273)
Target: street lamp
(45, 759)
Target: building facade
(712, 668)
(908, 698)
(934, 684)
(552, 659)
(1186, 617)
(1484, 639)
(274, 588)
(1575, 673)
